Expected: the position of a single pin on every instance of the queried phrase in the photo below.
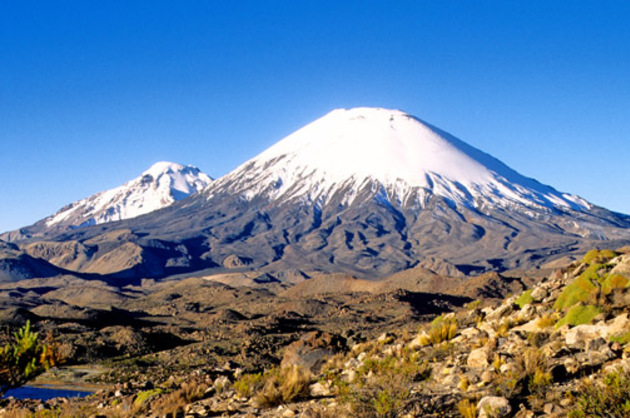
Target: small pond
(43, 393)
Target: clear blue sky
(92, 93)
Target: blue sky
(93, 93)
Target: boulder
(591, 360)
(493, 407)
(527, 313)
(528, 327)
(487, 376)
(386, 338)
(470, 333)
(623, 266)
(571, 365)
(580, 335)
(479, 358)
(618, 365)
(596, 344)
(619, 326)
(538, 294)
(320, 390)
(502, 311)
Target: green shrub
(386, 402)
(612, 282)
(524, 299)
(442, 329)
(546, 320)
(530, 361)
(473, 305)
(540, 381)
(622, 339)
(608, 397)
(579, 315)
(599, 256)
(25, 356)
(145, 395)
(582, 289)
(406, 366)
(504, 327)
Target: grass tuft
(467, 409)
(283, 385)
(249, 384)
(442, 329)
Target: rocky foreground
(557, 349)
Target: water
(43, 393)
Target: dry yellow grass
(283, 385)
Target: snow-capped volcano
(347, 150)
(157, 187)
(362, 191)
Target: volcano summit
(394, 153)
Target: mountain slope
(157, 187)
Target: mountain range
(365, 191)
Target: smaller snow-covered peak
(183, 180)
(159, 186)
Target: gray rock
(478, 359)
(579, 336)
(591, 359)
(320, 390)
(595, 344)
(538, 294)
(500, 312)
(493, 407)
